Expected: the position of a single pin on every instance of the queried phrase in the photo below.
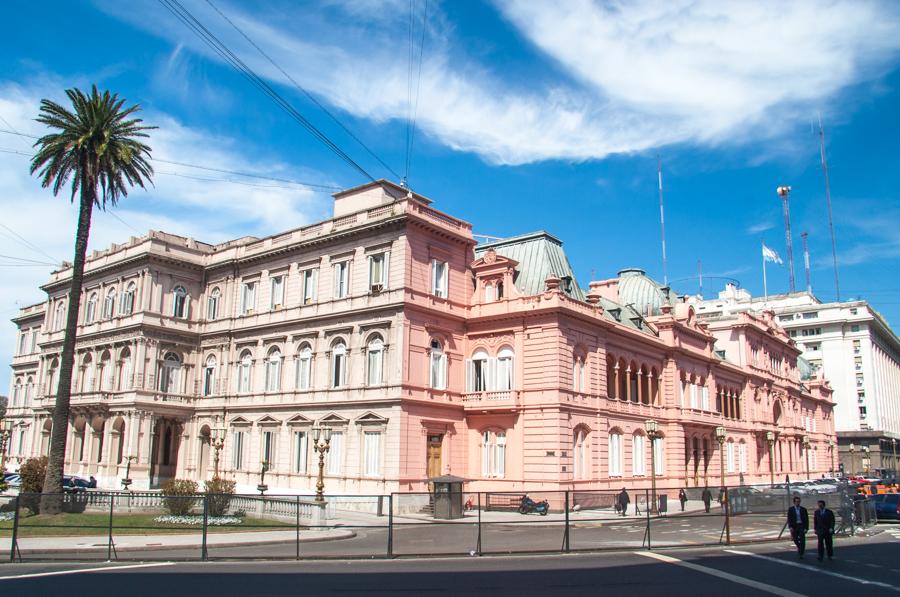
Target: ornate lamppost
(5, 433)
(852, 459)
(217, 441)
(652, 428)
(894, 461)
(720, 437)
(322, 433)
(262, 487)
(866, 463)
(126, 482)
(805, 441)
(770, 439)
(831, 447)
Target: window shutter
(385, 269)
(491, 382)
(470, 376)
(434, 280)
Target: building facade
(859, 354)
(425, 353)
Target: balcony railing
(496, 398)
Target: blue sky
(529, 116)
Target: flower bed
(213, 521)
(6, 516)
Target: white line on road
(79, 570)
(815, 569)
(760, 586)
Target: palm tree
(96, 145)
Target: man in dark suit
(622, 501)
(823, 524)
(798, 522)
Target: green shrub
(180, 496)
(218, 495)
(32, 473)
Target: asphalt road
(867, 566)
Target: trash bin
(663, 503)
(447, 496)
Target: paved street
(862, 566)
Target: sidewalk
(38, 545)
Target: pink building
(424, 352)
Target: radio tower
(803, 235)
(837, 286)
(785, 194)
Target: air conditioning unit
(376, 288)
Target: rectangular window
(301, 449)
(862, 412)
(267, 449)
(705, 398)
(341, 279)
(212, 306)
(694, 398)
(372, 453)
(335, 456)
(810, 315)
(375, 358)
(742, 457)
(309, 286)
(854, 328)
(377, 272)
(23, 343)
(615, 455)
(248, 298)
(34, 340)
(637, 455)
(277, 295)
(659, 463)
(729, 457)
(237, 450)
(439, 278)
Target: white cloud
(209, 210)
(760, 227)
(638, 74)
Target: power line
(303, 90)
(185, 16)
(26, 260)
(413, 106)
(26, 242)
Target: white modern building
(859, 354)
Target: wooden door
(433, 456)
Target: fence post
(204, 554)
(109, 545)
(478, 542)
(298, 527)
(15, 532)
(390, 534)
(647, 509)
(727, 518)
(566, 536)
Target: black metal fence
(97, 525)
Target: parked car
(887, 506)
(12, 479)
(72, 484)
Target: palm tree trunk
(51, 501)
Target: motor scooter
(529, 506)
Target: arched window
(493, 454)
(375, 361)
(638, 455)
(615, 454)
(244, 367)
(109, 304)
(209, 376)
(90, 309)
(338, 364)
(126, 303)
(659, 461)
(579, 453)
(654, 386)
(304, 368)
(505, 370)
(212, 304)
(52, 377)
(169, 371)
(87, 373)
(622, 390)
(59, 320)
(438, 366)
(29, 390)
(124, 382)
(104, 372)
(578, 381)
(273, 370)
(633, 382)
(644, 381)
(17, 391)
(489, 293)
(479, 372)
(610, 377)
(179, 306)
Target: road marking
(816, 569)
(760, 586)
(104, 569)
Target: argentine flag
(771, 255)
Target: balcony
(491, 401)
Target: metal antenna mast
(662, 219)
(803, 235)
(785, 194)
(700, 275)
(837, 286)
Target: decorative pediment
(240, 421)
(299, 421)
(492, 261)
(333, 419)
(268, 421)
(371, 418)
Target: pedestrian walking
(722, 497)
(823, 524)
(682, 497)
(706, 496)
(622, 501)
(798, 522)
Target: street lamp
(894, 461)
(770, 439)
(852, 459)
(217, 441)
(5, 433)
(652, 428)
(831, 447)
(321, 433)
(126, 482)
(805, 441)
(720, 437)
(866, 459)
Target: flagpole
(765, 285)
